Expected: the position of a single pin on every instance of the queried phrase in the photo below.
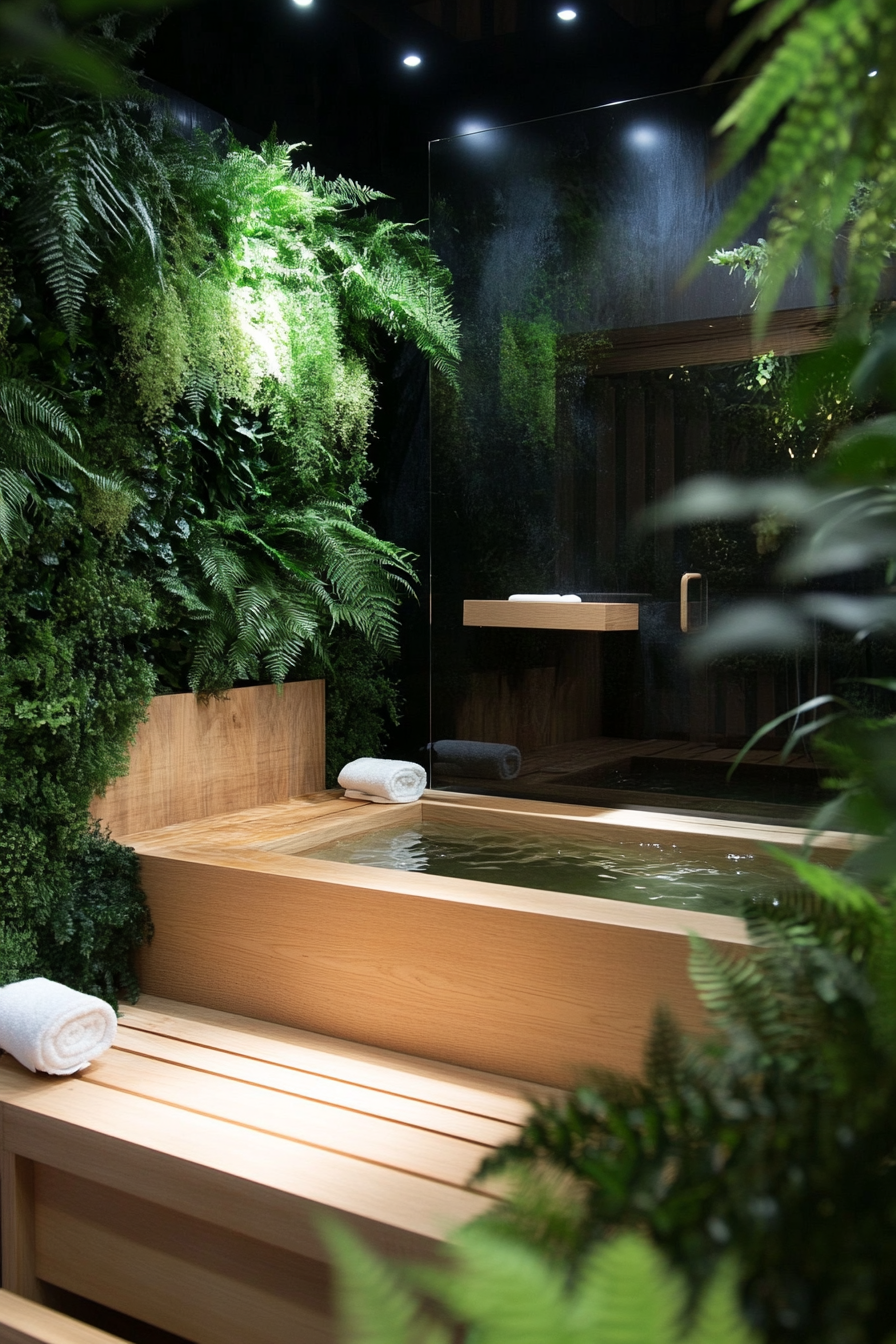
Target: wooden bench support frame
(180, 1179)
(528, 983)
(18, 1227)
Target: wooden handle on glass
(685, 580)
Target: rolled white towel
(543, 597)
(49, 1027)
(382, 781)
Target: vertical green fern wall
(187, 381)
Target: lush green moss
(74, 683)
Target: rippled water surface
(631, 870)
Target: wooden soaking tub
(528, 983)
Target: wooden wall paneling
(509, 990)
(259, 745)
(580, 687)
(17, 1225)
(735, 707)
(765, 696)
(635, 451)
(750, 683)
(565, 485)
(538, 706)
(522, 708)
(699, 706)
(664, 470)
(182, 1274)
(500, 708)
(605, 453)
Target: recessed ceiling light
(410, 60)
(566, 14)
(871, 74)
(303, 4)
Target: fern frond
(375, 1306)
(832, 128)
(629, 1295)
(506, 1291)
(846, 897)
(32, 423)
(718, 1319)
(737, 996)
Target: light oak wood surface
(518, 981)
(180, 1273)
(261, 744)
(26, 1322)
(17, 1219)
(552, 615)
(180, 1178)
(486, 983)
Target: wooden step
(181, 1178)
(26, 1322)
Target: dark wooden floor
(546, 770)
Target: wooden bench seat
(180, 1178)
(24, 1322)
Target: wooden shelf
(553, 615)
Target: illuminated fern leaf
(826, 93)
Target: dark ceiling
(331, 73)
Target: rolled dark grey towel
(476, 760)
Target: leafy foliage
(73, 684)
(826, 91)
(85, 192)
(235, 296)
(32, 424)
(188, 338)
(54, 38)
(774, 1137)
(362, 699)
(504, 1292)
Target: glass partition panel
(592, 381)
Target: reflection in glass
(592, 382)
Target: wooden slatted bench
(180, 1177)
(24, 1322)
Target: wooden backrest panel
(262, 744)
(24, 1322)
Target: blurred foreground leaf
(49, 37)
(506, 1292)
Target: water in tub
(645, 870)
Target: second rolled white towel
(378, 781)
(543, 597)
(49, 1027)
